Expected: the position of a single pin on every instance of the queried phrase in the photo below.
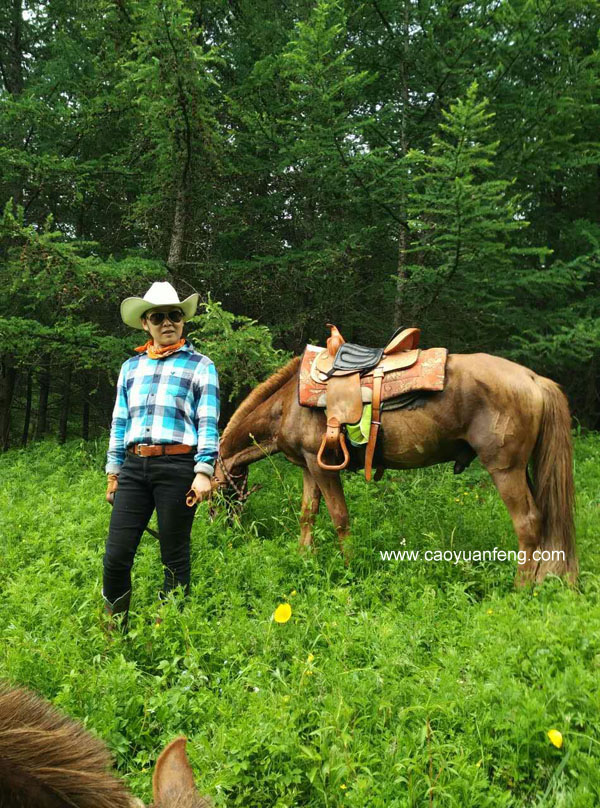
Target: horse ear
(173, 777)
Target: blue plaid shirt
(170, 400)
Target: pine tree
(464, 223)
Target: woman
(164, 440)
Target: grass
(393, 683)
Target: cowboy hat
(159, 294)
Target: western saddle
(341, 367)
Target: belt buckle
(138, 446)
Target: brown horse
(50, 761)
(491, 408)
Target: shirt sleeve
(116, 446)
(207, 419)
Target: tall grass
(393, 683)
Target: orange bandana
(160, 353)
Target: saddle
(344, 376)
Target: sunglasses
(156, 317)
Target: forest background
(296, 163)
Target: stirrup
(345, 452)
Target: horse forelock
(49, 761)
(261, 393)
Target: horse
(491, 408)
(50, 761)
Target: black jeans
(146, 483)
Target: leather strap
(158, 449)
(375, 422)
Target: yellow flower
(556, 738)
(343, 785)
(310, 657)
(282, 613)
(308, 673)
(292, 593)
(490, 611)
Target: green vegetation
(393, 683)
(426, 163)
(301, 162)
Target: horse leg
(516, 493)
(333, 494)
(311, 499)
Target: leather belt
(158, 449)
(375, 422)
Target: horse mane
(262, 393)
(50, 761)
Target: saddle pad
(427, 373)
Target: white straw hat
(159, 294)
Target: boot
(163, 594)
(118, 607)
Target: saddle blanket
(428, 373)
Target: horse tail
(554, 489)
(46, 758)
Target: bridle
(239, 482)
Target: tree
(51, 313)
(464, 222)
(170, 78)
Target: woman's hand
(201, 489)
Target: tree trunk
(184, 139)
(8, 378)
(592, 394)
(13, 66)
(12, 72)
(65, 405)
(27, 420)
(178, 232)
(554, 196)
(42, 412)
(401, 308)
(85, 424)
(401, 311)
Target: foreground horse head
(492, 408)
(50, 761)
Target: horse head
(50, 761)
